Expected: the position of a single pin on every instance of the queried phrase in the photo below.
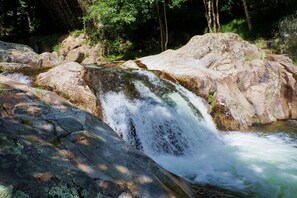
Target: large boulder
(14, 57)
(21, 58)
(67, 80)
(243, 85)
(49, 148)
(78, 49)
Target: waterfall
(172, 126)
(19, 77)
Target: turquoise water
(172, 126)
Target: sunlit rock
(87, 160)
(67, 80)
(242, 84)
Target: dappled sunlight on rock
(122, 169)
(103, 167)
(52, 147)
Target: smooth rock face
(67, 80)
(87, 159)
(79, 50)
(21, 58)
(242, 84)
(16, 57)
(50, 59)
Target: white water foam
(21, 78)
(168, 130)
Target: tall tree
(212, 15)
(247, 15)
(120, 16)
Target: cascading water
(19, 77)
(172, 126)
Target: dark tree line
(142, 24)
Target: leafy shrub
(238, 26)
(288, 34)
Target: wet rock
(90, 161)
(243, 85)
(129, 65)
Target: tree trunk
(247, 14)
(214, 21)
(209, 16)
(212, 15)
(166, 34)
(206, 13)
(161, 27)
(218, 16)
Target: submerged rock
(43, 155)
(242, 84)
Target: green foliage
(115, 22)
(18, 18)
(50, 41)
(261, 43)
(211, 99)
(76, 32)
(57, 47)
(288, 35)
(112, 58)
(238, 26)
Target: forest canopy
(143, 25)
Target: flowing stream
(19, 77)
(172, 126)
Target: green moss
(211, 99)
(57, 48)
(55, 141)
(67, 191)
(250, 57)
(39, 92)
(27, 122)
(16, 148)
